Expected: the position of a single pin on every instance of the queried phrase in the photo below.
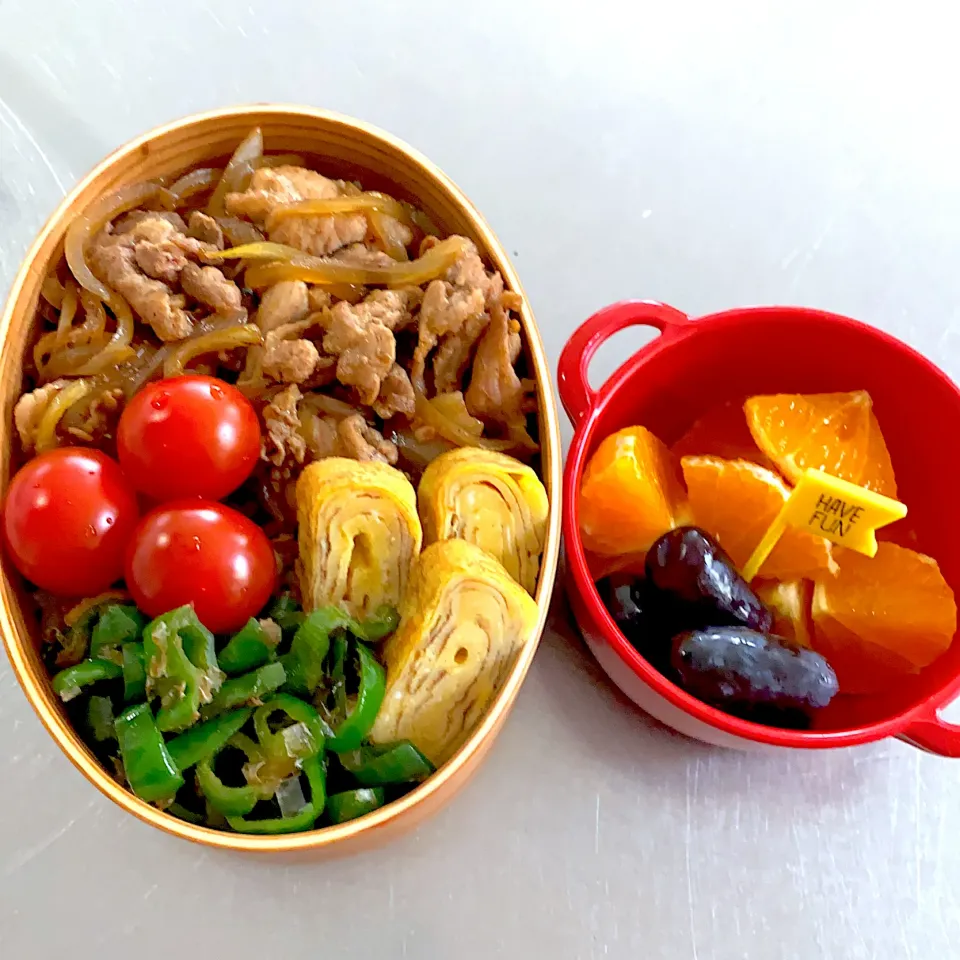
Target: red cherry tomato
(201, 552)
(188, 437)
(67, 519)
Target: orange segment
(736, 501)
(631, 494)
(789, 602)
(881, 618)
(721, 432)
(834, 432)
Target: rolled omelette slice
(491, 500)
(359, 535)
(462, 624)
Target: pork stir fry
(352, 326)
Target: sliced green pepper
(250, 688)
(391, 763)
(307, 742)
(67, 683)
(351, 731)
(338, 680)
(353, 803)
(204, 740)
(230, 801)
(267, 766)
(278, 755)
(149, 768)
(100, 719)
(76, 642)
(181, 667)
(182, 813)
(384, 621)
(286, 613)
(134, 661)
(304, 662)
(304, 819)
(117, 625)
(248, 649)
(272, 760)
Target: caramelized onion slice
(392, 246)
(68, 312)
(124, 317)
(421, 221)
(237, 173)
(62, 343)
(92, 221)
(66, 361)
(44, 347)
(292, 264)
(85, 349)
(361, 202)
(415, 453)
(96, 354)
(193, 183)
(244, 335)
(95, 316)
(150, 364)
(52, 291)
(47, 430)
(450, 419)
(239, 231)
(329, 406)
(113, 354)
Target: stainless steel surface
(705, 154)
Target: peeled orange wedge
(631, 494)
(789, 602)
(721, 432)
(736, 501)
(834, 432)
(882, 618)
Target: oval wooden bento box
(341, 147)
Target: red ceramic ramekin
(696, 364)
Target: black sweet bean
(694, 569)
(645, 615)
(744, 671)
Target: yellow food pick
(829, 507)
